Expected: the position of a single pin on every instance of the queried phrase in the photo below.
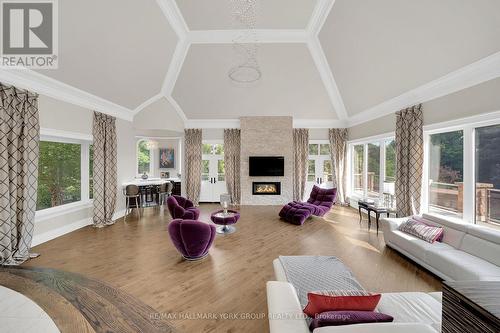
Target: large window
(358, 169)
(144, 162)
(373, 175)
(463, 169)
(446, 160)
(65, 170)
(487, 178)
(373, 168)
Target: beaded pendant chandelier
(244, 16)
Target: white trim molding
(258, 36)
(147, 103)
(319, 123)
(326, 74)
(213, 123)
(58, 232)
(174, 16)
(478, 72)
(41, 84)
(319, 16)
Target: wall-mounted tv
(267, 166)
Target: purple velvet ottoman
(191, 238)
(296, 212)
(225, 220)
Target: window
(144, 162)
(463, 169)
(487, 174)
(373, 169)
(358, 168)
(65, 170)
(446, 160)
(311, 170)
(213, 149)
(373, 175)
(319, 168)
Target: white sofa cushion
(411, 307)
(453, 232)
(483, 243)
(285, 312)
(377, 328)
(460, 265)
(413, 245)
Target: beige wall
(66, 117)
(479, 99)
(266, 136)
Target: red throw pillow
(340, 300)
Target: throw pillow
(337, 318)
(340, 300)
(421, 230)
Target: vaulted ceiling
(336, 62)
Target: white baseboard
(58, 232)
(118, 215)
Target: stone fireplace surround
(266, 136)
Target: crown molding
(148, 102)
(177, 108)
(44, 85)
(319, 16)
(174, 17)
(213, 123)
(478, 72)
(326, 75)
(319, 123)
(258, 36)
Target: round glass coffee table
(225, 221)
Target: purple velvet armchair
(182, 208)
(319, 203)
(191, 238)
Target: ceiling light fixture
(244, 15)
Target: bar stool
(132, 192)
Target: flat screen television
(267, 166)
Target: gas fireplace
(266, 188)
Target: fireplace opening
(266, 188)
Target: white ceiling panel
(290, 85)
(273, 14)
(119, 50)
(380, 49)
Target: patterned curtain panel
(105, 184)
(19, 142)
(301, 155)
(193, 138)
(232, 152)
(409, 160)
(338, 149)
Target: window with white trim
(144, 157)
(64, 172)
(462, 169)
(372, 168)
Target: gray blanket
(317, 273)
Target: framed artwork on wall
(167, 158)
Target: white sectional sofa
(468, 251)
(413, 312)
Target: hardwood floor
(138, 257)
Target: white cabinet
(213, 178)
